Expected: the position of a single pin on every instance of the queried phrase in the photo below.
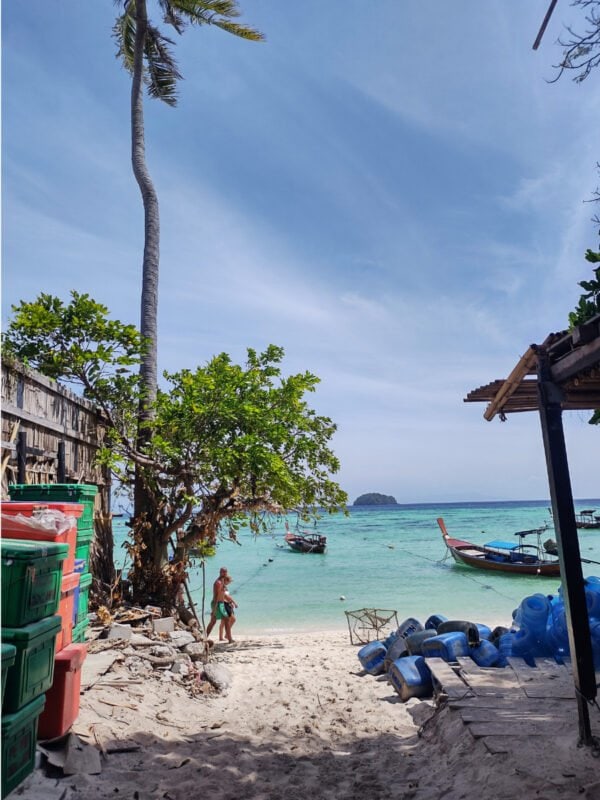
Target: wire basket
(367, 624)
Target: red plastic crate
(62, 699)
(65, 609)
(13, 529)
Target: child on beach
(226, 625)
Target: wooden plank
(548, 680)
(501, 702)
(510, 729)
(9, 410)
(447, 679)
(489, 680)
(550, 692)
(545, 670)
(96, 665)
(506, 745)
(511, 714)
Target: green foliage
(242, 439)
(228, 443)
(161, 73)
(588, 307)
(589, 302)
(73, 341)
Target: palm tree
(146, 53)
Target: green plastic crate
(84, 532)
(31, 578)
(59, 492)
(79, 630)
(19, 734)
(9, 653)
(33, 670)
(84, 595)
(82, 548)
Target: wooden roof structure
(562, 373)
(574, 362)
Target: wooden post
(22, 457)
(61, 470)
(550, 397)
(12, 437)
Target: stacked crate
(83, 494)
(32, 528)
(31, 587)
(37, 619)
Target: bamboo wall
(49, 434)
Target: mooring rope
(440, 561)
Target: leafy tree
(588, 307)
(74, 342)
(146, 53)
(589, 302)
(229, 444)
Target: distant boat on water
(587, 518)
(516, 558)
(306, 542)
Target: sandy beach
(300, 719)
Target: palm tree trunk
(150, 269)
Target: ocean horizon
(388, 557)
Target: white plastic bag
(49, 520)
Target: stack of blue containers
(539, 629)
(403, 655)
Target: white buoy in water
(342, 597)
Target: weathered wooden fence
(50, 435)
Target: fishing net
(367, 624)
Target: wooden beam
(544, 24)
(52, 386)
(25, 416)
(563, 514)
(524, 365)
(585, 357)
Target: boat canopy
(497, 544)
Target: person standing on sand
(217, 606)
(226, 625)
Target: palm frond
(124, 34)
(225, 8)
(161, 68)
(172, 16)
(219, 13)
(243, 31)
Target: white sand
(301, 720)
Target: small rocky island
(375, 499)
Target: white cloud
(399, 205)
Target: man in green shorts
(217, 606)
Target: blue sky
(392, 191)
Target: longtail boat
(516, 558)
(588, 518)
(306, 542)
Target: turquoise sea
(387, 557)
